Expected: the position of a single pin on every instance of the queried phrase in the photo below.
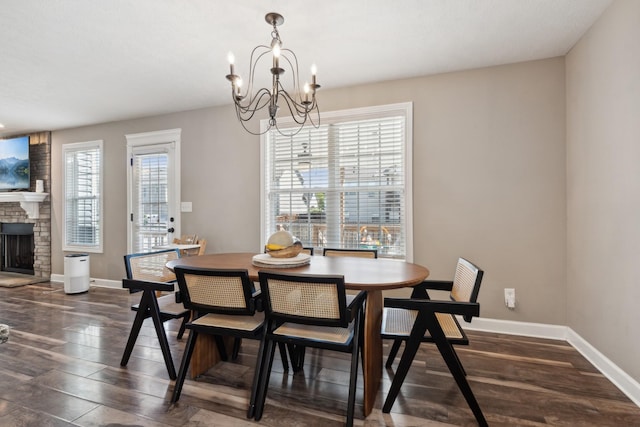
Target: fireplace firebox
(17, 247)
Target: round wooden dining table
(362, 274)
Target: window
(83, 196)
(346, 184)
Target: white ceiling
(68, 63)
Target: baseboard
(625, 383)
(101, 283)
(617, 376)
(538, 330)
(57, 278)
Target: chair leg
(455, 367)
(459, 363)
(183, 326)
(283, 355)
(410, 349)
(141, 314)
(154, 312)
(301, 351)
(222, 351)
(264, 379)
(392, 353)
(260, 363)
(184, 365)
(236, 348)
(355, 354)
(297, 353)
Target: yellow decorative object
(274, 247)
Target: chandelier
(300, 104)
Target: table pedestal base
(205, 354)
(372, 351)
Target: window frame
(364, 113)
(73, 148)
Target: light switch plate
(510, 298)
(186, 207)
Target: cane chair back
(216, 291)
(151, 266)
(466, 283)
(309, 300)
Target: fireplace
(17, 247)
(27, 248)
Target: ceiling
(69, 63)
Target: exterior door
(153, 189)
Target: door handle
(170, 230)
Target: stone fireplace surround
(13, 212)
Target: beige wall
(603, 185)
(489, 179)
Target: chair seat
(226, 321)
(316, 333)
(168, 306)
(399, 322)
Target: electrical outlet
(510, 297)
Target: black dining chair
(225, 304)
(308, 311)
(421, 319)
(147, 273)
(297, 352)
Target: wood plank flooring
(61, 367)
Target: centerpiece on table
(282, 251)
(282, 244)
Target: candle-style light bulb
(232, 60)
(276, 55)
(238, 83)
(314, 71)
(306, 92)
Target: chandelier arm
(247, 112)
(293, 106)
(301, 109)
(295, 71)
(317, 110)
(254, 103)
(294, 133)
(252, 132)
(252, 66)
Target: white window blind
(345, 184)
(83, 196)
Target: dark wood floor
(61, 367)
